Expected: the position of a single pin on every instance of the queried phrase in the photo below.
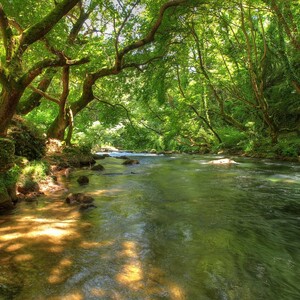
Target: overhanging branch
(45, 95)
(40, 29)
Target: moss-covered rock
(7, 150)
(72, 157)
(5, 198)
(28, 142)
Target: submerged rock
(97, 168)
(79, 198)
(82, 180)
(86, 206)
(130, 162)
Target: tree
(15, 76)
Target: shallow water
(169, 228)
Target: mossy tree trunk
(7, 188)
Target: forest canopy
(187, 75)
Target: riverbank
(36, 178)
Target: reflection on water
(169, 228)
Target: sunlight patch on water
(60, 273)
(131, 274)
(23, 257)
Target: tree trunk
(9, 99)
(58, 127)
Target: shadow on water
(169, 228)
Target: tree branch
(118, 32)
(7, 34)
(15, 24)
(87, 92)
(151, 35)
(37, 69)
(45, 95)
(40, 29)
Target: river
(172, 227)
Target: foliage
(37, 170)
(288, 147)
(214, 75)
(233, 139)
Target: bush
(232, 138)
(37, 170)
(288, 147)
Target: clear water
(169, 228)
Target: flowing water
(168, 228)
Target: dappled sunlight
(90, 245)
(176, 292)
(60, 272)
(14, 247)
(149, 282)
(23, 257)
(77, 295)
(32, 228)
(97, 193)
(131, 273)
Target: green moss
(33, 172)
(28, 142)
(7, 150)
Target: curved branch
(40, 66)
(40, 29)
(45, 95)
(150, 36)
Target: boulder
(97, 168)
(5, 199)
(82, 180)
(29, 186)
(99, 156)
(87, 161)
(79, 198)
(28, 142)
(222, 161)
(131, 162)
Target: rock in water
(97, 168)
(82, 180)
(79, 198)
(130, 162)
(222, 161)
